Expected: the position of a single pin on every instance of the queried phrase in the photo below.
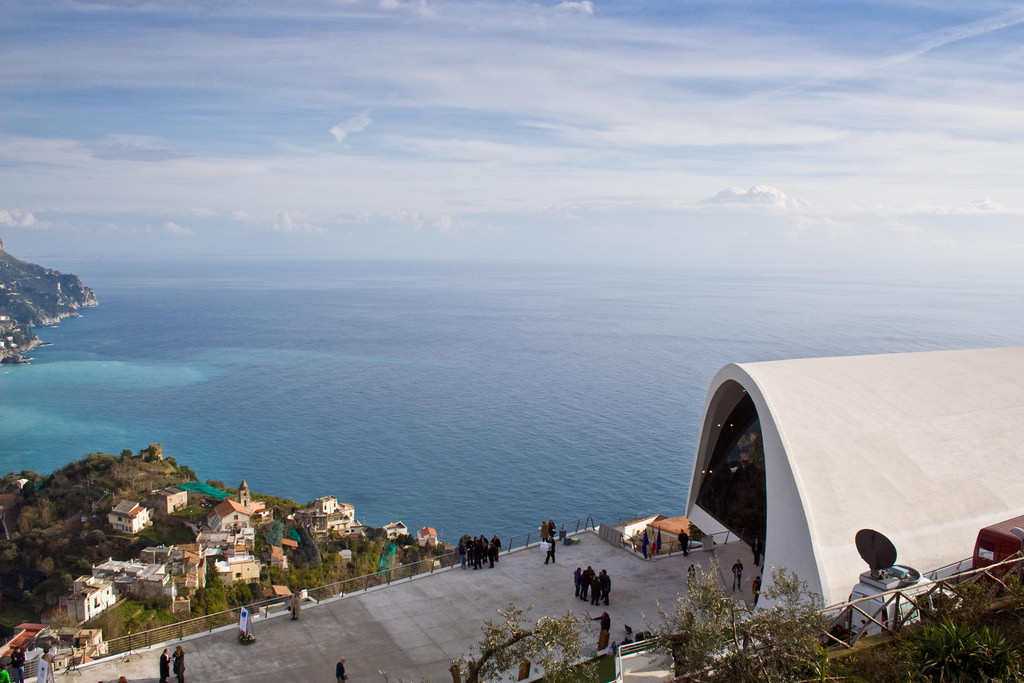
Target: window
(733, 487)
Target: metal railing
(210, 622)
(574, 527)
(890, 611)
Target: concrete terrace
(416, 627)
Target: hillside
(30, 296)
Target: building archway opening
(733, 488)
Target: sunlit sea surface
(472, 398)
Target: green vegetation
(552, 644)
(709, 633)
(981, 638)
(59, 530)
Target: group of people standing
(599, 586)
(175, 663)
(476, 551)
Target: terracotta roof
(672, 525)
(289, 543)
(428, 531)
(227, 506)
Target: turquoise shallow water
(476, 399)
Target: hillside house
(395, 529)
(239, 568)
(427, 536)
(228, 515)
(278, 559)
(168, 500)
(130, 517)
(325, 515)
(89, 596)
(137, 579)
(185, 563)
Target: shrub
(948, 651)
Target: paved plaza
(414, 628)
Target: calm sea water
(476, 399)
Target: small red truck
(997, 542)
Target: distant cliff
(31, 296)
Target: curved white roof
(926, 448)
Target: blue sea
(475, 398)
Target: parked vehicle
(997, 542)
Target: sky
(817, 134)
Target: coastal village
(236, 541)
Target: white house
(326, 514)
(228, 515)
(130, 516)
(89, 596)
(395, 529)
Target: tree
(711, 634)
(556, 645)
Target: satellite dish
(875, 549)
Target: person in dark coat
(18, 664)
(606, 627)
(576, 579)
(605, 583)
(595, 589)
(684, 542)
(178, 664)
(758, 547)
(496, 542)
(339, 670)
(585, 578)
(551, 551)
(492, 553)
(165, 667)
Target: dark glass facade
(732, 489)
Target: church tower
(243, 495)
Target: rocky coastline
(34, 296)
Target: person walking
(758, 547)
(755, 586)
(178, 664)
(737, 575)
(18, 664)
(165, 666)
(684, 542)
(576, 575)
(296, 606)
(339, 670)
(551, 551)
(605, 583)
(45, 674)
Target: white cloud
(284, 222)
(759, 195)
(580, 7)
(20, 219)
(174, 228)
(355, 124)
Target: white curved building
(926, 448)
